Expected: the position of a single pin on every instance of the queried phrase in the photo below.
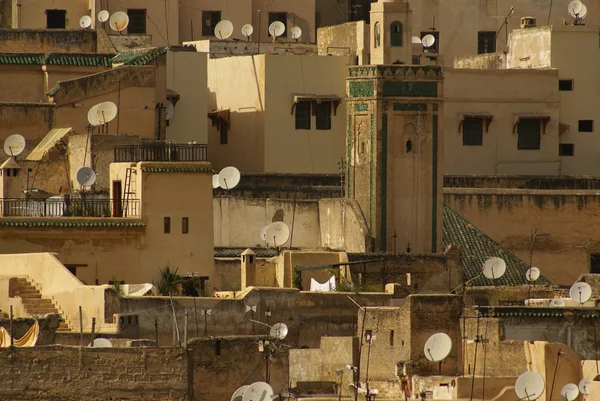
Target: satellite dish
(224, 29)
(14, 145)
(215, 181)
(580, 292)
(119, 21)
(584, 385)
(247, 30)
(85, 21)
(263, 233)
(229, 177)
(296, 32)
(103, 16)
(417, 40)
(86, 177)
(494, 268)
(170, 110)
(530, 386)
(238, 395)
(428, 40)
(278, 233)
(279, 331)
(569, 392)
(55, 206)
(574, 8)
(107, 111)
(532, 274)
(277, 29)
(100, 343)
(557, 303)
(259, 391)
(438, 347)
(93, 116)
(583, 12)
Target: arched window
(396, 34)
(377, 35)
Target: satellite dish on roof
(296, 32)
(86, 177)
(584, 385)
(215, 181)
(569, 392)
(530, 386)
(100, 343)
(417, 40)
(278, 233)
(55, 206)
(119, 21)
(238, 395)
(224, 29)
(229, 177)
(557, 303)
(277, 29)
(259, 391)
(574, 8)
(428, 40)
(85, 21)
(263, 233)
(107, 111)
(532, 274)
(583, 12)
(103, 16)
(279, 331)
(14, 145)
(247, 30)
(170, 110)
(580, 292)
(494, 268)
(92, 116)
(438, 347)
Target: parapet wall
(48, 40)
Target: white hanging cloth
(327, 286)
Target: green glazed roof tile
(67, 223)
(148, 57)
(22, 58)
(85, 60)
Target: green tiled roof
(476, 248)
(236, 252)
(125, 57)
(521, 311)
(70, 223)
(22, 59)
(88, 60)
(177, 169)
(148, 57)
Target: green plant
(117, 286)
(297, 279)
(170, 282)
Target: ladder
(130, 175)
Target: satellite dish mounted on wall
(93, 116)
(584, 385)
(119, 21)
(296, 33)
(580, 292)
(438, 347)
(276, 29)
(14, 145)
(103, 16)
(532, 274)
(215, 181)
(263, 233)
(428, 41)
(238, 395)
(417, 40)
(101, 343)
(86, 177)
(229, 177)
(170, 110)
(247, 31)
(107, 111)
(259, 391)
(583, 12)
(569, 392)
(574, 8)
(278, 234)
(224, 29)
(494, 268)
(279, 331)
(85, 21)
(530, 386)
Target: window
(529, 132)
(324, 116)
(566, 149)
(368, 335)
(185, 225)
(281, 17)
(56, 19)
(209, 20)
(223, 130)
(396, 34)
(472, 131)
(167, 225)
(377, 34)
(595, 263)
(565, 84)
(486, 42)
(303, 114)
(137, 21)
(416, 60)
(436, 46)
(392, 338)
(317, 20)
(586, 125)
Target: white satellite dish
(417, 40)
(103, 16)
(238, 395)
(438, 347)
(85, 21)
(569, 392)
(107, 111)
(530, 386)
(100, 343)
(574, 8)
(229, 177)
(55, 206)
(215, 181)
(279, 331)
(278, 233)
(277, 29)
(428, 40)
(296, 32)
(92, 116)
(583, 12)
(86, 177)
(170, 110)
(247, 30)
(14, 145)
(580, 292)
(494, 268)
(584, 385)
(263, 233)
(259, 391)
(224, 29)
(532, 274)
(119, 21)
(557, 303)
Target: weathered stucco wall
(486, 61)
(349, 39)
(46, 41)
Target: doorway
(117, 205)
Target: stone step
(36, 301)
(63, 327)
(42, 312)
(30, 296)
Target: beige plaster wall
(65, 73)
(22, 83)
(33, 12)
(32, 120)
(351, 38)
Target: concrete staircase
(34, 303)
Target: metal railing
(21, 207)
(161, 152)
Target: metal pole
(368, 362)
(205, 325)
(10, 328)
(195, 309)
(362, 335)
(475, 359)
(555, 372)
(118, 105)
(156, 331)
(93, 335)
(175, 326)
(185, 328)
(80, 326)
(484, 360)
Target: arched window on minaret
(396, 34)
(377, 35)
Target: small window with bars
(303, 114)
(210, 19)
(137, 21)
(486, 42)
(324, 116)
(529, 134)
(472, 131)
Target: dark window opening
(218, 347)
(359, 10)
(209, 20)
(112, 282)
(586, 125)
(396, 34)
(281, 17)
(56, 19)
(185, 225)
(566, 149)
(392, 338)
(595, 263)
(529, 134)
(416, 60)
(194, 286)
(137, 21)
(303, 114)
(565, 84)
(368, 335)
(486, 42)
(324, 116)
(317, 20)
(167, 225)
(223, 130)
(472, 131)
(436, 46)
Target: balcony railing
(70, 208)
(160, 152)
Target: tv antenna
(504, 25)
(85, 21)
(557, 303)
(119, 21)
(296, 33)
(229, 177)
(259, 391)
(276, 29)
(224, 29)
(170, 110)
(530, 386)
(238, 395)
(438, 347)
(247, 31)
(14, 145)
(103, 16)
(494, 268)
(584, 385)
(569, 392)
(277, 234)
(86, 176)
(580, 292)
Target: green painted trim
(70, 224)
(361, 89)
(177, 170)
(361, 107)
(350, 192)
(410, 88)
(383, 240)
(410, 106)
(372, 183)
(434, 185)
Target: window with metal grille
(324, 116)
(281, 17)
(56, 19)
(486, 42)
(436, 45)
(210, 19)
(223, 131)
(396, 34)
(586, 125)
(416, 60)
(167, 225)
(472, 131)
(566, 149)
(185, 225)
(529, 134)
(137, 21)
(565, 84)
(303, 114)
